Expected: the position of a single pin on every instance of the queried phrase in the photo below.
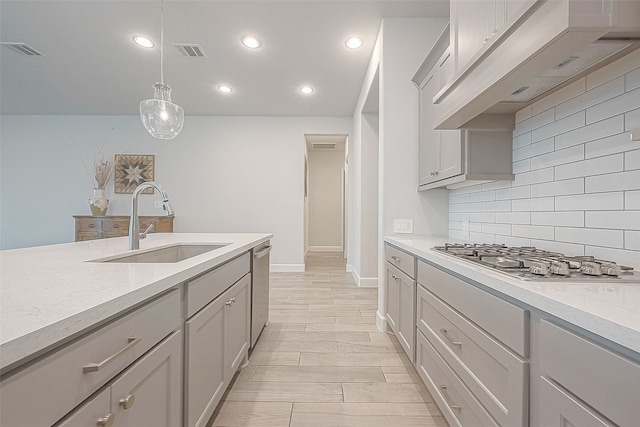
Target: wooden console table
(101, 227)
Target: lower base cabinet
(148, 394)
(217, 342)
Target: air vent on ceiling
(23, 49)
(323, 146)
(519, 91)
(192, 50)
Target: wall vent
(323, 146)
(192, 50)
(22, 49)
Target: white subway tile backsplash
(632, 80)
(558, 188)
(533, 204)
(532, 150)
(521, 140)
(613, 182)
(513, 217)
(592, 97)
(628, 220)
(598, 166)
(632, 199)
(534, 177)
(632, 159)
(590, 236)
(618, 105)
(534, 122)
(523, 192)
(497, 206)
(610, 145)
(559, 157)
(482, 217)
(577, 174)
(611, 126)
(501, 229)
(558, 127)
(564, 248)
(632, 241)
(590, 202)
(566, 219)
(533, 231)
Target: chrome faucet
(134, 223)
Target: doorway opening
(325, 193)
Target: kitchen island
(57, 299)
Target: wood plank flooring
(322, 361)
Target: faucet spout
(134, 222)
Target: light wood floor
(322, 361)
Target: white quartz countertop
(51, 293)
(610, 310)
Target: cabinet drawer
(121, 226)
(88, 235)
(58, 382)
(401, 259)
(561, 409)
(496, 377)
(164, 225)
(207, 287)
(606, 381)
(87, 224)
(505, 321)
(457, 404)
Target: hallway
(322, 362)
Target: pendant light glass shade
(162, 118)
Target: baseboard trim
(381, 322)
(287, 268)
(362, 282)
(324, 249)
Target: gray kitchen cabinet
(217, 342)
(574, 388)
(401, 297)
(477, 340)
(454, 158)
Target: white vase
(99, 203)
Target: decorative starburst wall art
(132, 170)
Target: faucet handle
(143, 235)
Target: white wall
(222, 174)
(577, 186)
(325, 199)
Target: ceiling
(91, 66)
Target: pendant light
(161, 117)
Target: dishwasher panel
(259, 290)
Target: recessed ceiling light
(225, 89)
(143, 41)
(250, 42)
(353, 42)
(306, 90)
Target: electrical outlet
(158, 204)
(403, 226)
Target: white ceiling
(93, 67)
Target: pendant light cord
(162, 41)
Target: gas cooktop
(530, 263)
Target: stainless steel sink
(168, 254)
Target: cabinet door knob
(116, 225)
(231, 301)
(394, 276)
(106, 421)
(127, 402)
(395, 258)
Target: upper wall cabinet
(454, 158)
(507, 54)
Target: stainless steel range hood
(550, 44)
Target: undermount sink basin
(169, 254)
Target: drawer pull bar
(106, 421)
(395, 258)
(445, 334)
(94, 367)
(231, 301)
(447, 399)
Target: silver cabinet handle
(394, 276)
(127, 402)
(106, 421)
(395, 258)
(447, 399)
(231, 301)
(94, 367)
(445, 334)
(262, 253)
